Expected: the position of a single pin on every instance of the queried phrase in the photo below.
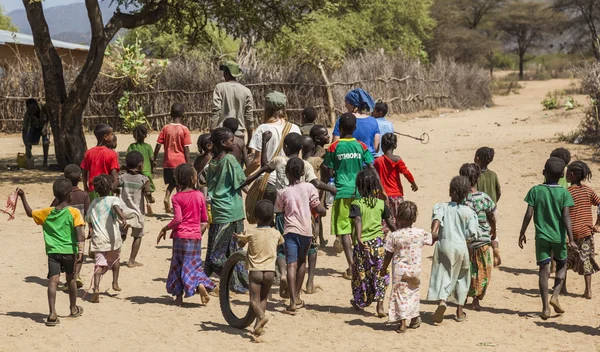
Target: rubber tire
(228, 270)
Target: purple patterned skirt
(186, 272)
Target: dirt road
(142, 318)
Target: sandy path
(141, 318)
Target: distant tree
(5, 22)
(584, 20)
(65, 105)
(526, 25)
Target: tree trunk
(247, 52)
(521, 63)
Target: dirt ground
(141, 316)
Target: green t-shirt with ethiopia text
(347, 157)
(548, 201)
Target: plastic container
(21, 160)
(330, 197)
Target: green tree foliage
(5, 22)
(339, 29)
(526, 25)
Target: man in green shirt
(345, 159)
(549, 204)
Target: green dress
(146, 150)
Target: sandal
(415, 325)
(53, 322)
(461, 319)
(337, 245)
(79, 312)
(300, 305)
(347, 276)
(438, 316)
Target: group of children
(369, 217)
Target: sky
(11, 5)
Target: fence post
(330, 102)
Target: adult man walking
(35, 126)
(232, 99)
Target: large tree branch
(95, 17)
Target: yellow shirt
(262, 248)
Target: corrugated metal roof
(8, 37)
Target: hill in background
(68, 22)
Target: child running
(134, 189)
(549, 205)
(63, 234)
(296, 201)
(140, 132)
(403, 248)
(177, 140)
(100, 160)
(104, 216)
(390, 167)
(454, 224)
(186, 276)
(582, 261)
(225, 178)
(240, 151)
(79, 200)
(343, 161)
(260, 260)
(480, 250)
(368, 213)
(488, 181)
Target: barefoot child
(403, 248)
(488, 181)
(103, 217)
(582, 261)
(455, 224)
(186, 276)
(390, 167)
(177, 140)
(240, 151)
(260, 260)
(296, 202)
(225, 178)
(343, 161)
(140, 132)
(81, 201)
(63, 234)
(134, 189)
(480, 250)
(368, 213)
(100, 160)
(549, 205)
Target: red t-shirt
(98, 161)
(389, 173)
(175, 137)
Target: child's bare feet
(402, 327)
(283, 289)
(96, 297)
(476, 306)
(545, 314)
(381, 313)
(134, 264)
(168, 209)
(312, 288)
(178, 300)
(149, 211)
(259, 326)
(587, 295)
(204, 297)
(116, 287)
(556, 305)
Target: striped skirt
(186, 273)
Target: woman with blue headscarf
(360, 104)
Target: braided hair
(580, 170)
(368, 186)
(218, 137)
(140, 132)
(407, 211)
(294, 168)
(389, 141)
(103, 184)
(459, 188)
(185, 175)
(485, 155)
(471, 172)
(204, 142)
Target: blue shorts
(296, 248)
(34, 135)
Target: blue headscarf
(360, 99)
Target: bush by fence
(406, 85)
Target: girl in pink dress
(403, 248)
(186, 276)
